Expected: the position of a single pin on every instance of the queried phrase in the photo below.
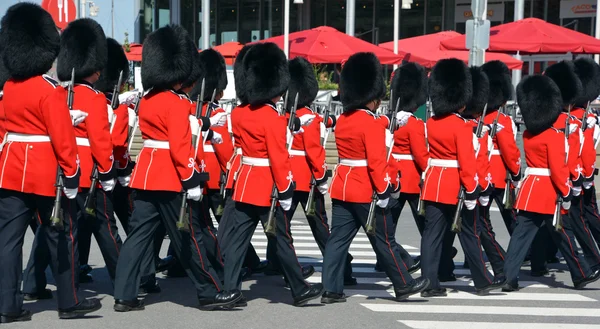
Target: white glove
(108, 185)
(301, 130)
(484, 200)
(484, 129)
(216, 138)
(124, 181)
(383, 202)
(402, 118)
(128, 97)
(70, 193)
(77, 117)
(470, 204)
(596, 133)
(306, 119)
(323, 188)
(396, 195)
(218, 120)
(194, 193)
(194, 125)
(572, 128)
(591, 121)
(499, 128)
(588, 185)
(576, 190)
(286, 204)
(476, 144)
(389, 138)
(566, 205)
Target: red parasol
(229, 50)
(135, 52)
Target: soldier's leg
(591, 213)
(413, 203)
(493, 249)
(85, 229)
(206, 232)
(582, 233)
(508, 215)
(396, 207)
(471, 244)
(106, 232)
(225, 231)
(34, 276)
(539, 251)
(123, 205)
(526, 228)
(436, 227)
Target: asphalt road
(547, 302)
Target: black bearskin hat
(563, 74)
(4, 76)
(588, 72)
(302, 82)
(197, 71)
(215, 74)
(361, 81)
(239, 75)
(267, 73)
(540, 101)
(83, 47)
(501, 88)
(481, 92)
(117, 62)
(410, 84)
(31, 40)
(167, 57)
(450, 86)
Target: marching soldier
(261, 133)
(546, 177)
(452, 177)
(361, 140)
(39, 140)
(165, 165)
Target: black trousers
(582, 232)
(438, 220)
(396, 207)
(150, 209)
(492, 248)
(347, 219)
(16, 211)
(591, 213)
(241, 220)
(508, 215)
(205, 229)
(317, 222)
(525, 231)
(123, 205)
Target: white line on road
(494, 295)
(263, 243)
(489, 310)
(492, 325)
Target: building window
(163, 13)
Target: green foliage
(126, 42)
(324, 77)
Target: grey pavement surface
(547, 302)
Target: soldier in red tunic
(261, 132)
(546, 178)
(362, 171)
(39, 139)
(165, 166)
(452, 167)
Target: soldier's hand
(286, 204)
(216, 138)
(306, 119)
(323, 188)
(471, 204)
(108, 185)
(402, 118)
(382, 203)
(70, 193)
(395, 195)
(484, 200)
(566, 205)
(194, 193)
(591, 121)
(219, 119)
(124, 181)
(77, 117)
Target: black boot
(312, 292)
(332, 297)
(223, 299)
(128, 305)
(165, 264)
(580, 284)
(416, 265)
(414, 287)
(496, 284)
(22, 316)
(44, 294)
(84, 307)
(441, 292)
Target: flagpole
(286, 28)
(397, 27)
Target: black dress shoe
(350, 281)
(261, 267)
(553, 260)
(85, 269)
(580, 284)
(415, 287)
(496, 284)
(24, 315)
(165, 264)
(539, 273)
(441, 292)
(307, 271)
(500, 277)
(416, 265)
(509, 287)
(149, 289)
(128, 305)
(84, 307)
(85, 278)
(332, 297)
(454, 252)
(44, 294)
(243, 302)
(447, 278)
(312, 292)
(224, 299)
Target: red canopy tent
(135, 52)
(426, 51)
(325, 44)
(533, 35)
(229, 50)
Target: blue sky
(124, 15)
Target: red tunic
(2, 117)
(119, 135)
(38, 106)
(483, 164)
(409, 141)
(588, 151)
(506, 154)
(164, 117)
(307, 154)
(235, 162)
(538, 193)
(262, 137)
(574, 161)
(216, 156)
(360, 136)
(450, 138)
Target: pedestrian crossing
(540, 304)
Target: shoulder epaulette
(51, 81)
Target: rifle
(271, 226)
(310, 207)
(90, 199)
(56, 218)
(371, 225)
(136, 110)
(421, 205)
(557, 219)
(457, 221)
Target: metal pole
(519, 13)
(597, 34)
(205, 24)
(286, 28)
(397, 27)
(83, 5)
(350, 16)
(112, 18)
(78, 4)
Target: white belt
(14, 137)
(402, 156)
(209, 148)
(297, 152)
(353, 163)
(537, 172)
(443, 163)
(154, 144)
(495, 152)
(82, 141)
(238, 150)
(257, 162)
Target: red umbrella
(533, 35)
(426, 51)
(327, 45)
(229, 50)
(135, 52)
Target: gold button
(30, 147)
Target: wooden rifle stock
(421, 205)
(557, 220)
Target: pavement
(548, 302)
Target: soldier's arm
(505, 138)
(315, 154)
(381, 175)
(281, 168)
(418, 144)
(98, 131)
(466, 159)
(559, 172)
